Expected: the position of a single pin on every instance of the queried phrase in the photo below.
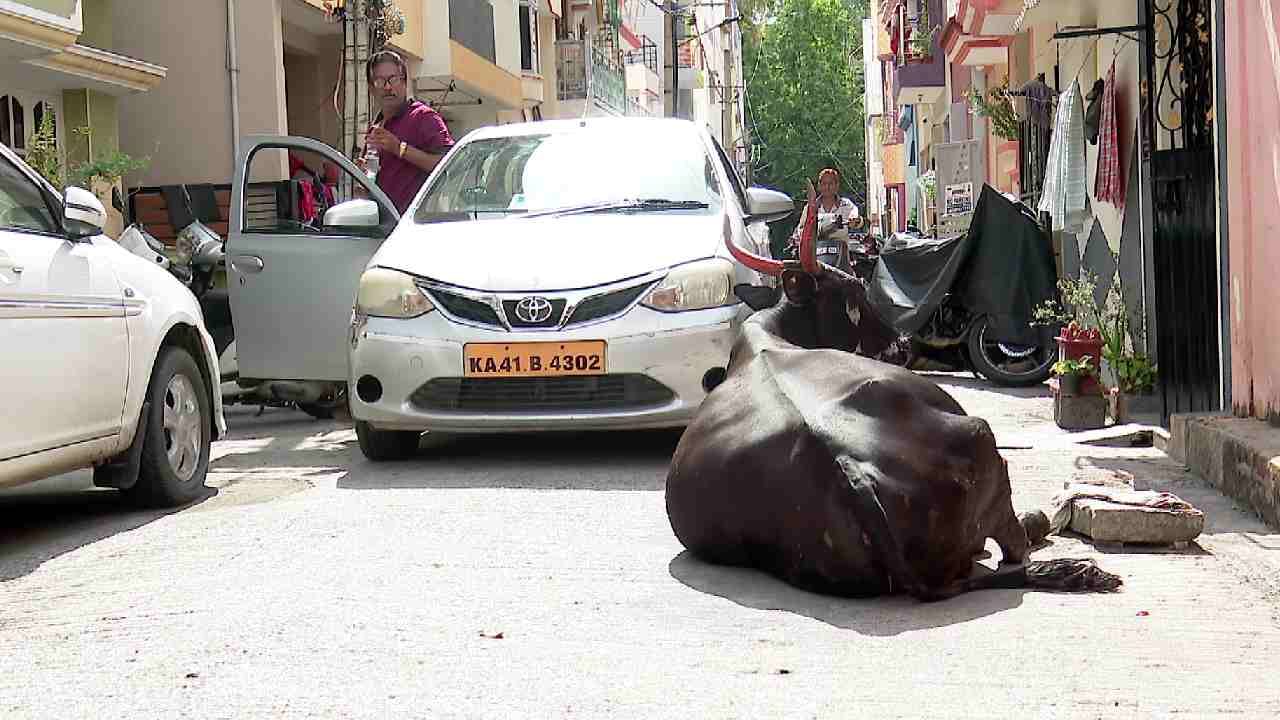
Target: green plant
(922, 34)
(1081, 366)
(1135, 373)
(44, 156)
(42, 152)
(109, 168)
(997, 106)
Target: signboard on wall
(957, 199)
(960, 171)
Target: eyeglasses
(386, 82)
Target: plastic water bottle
(372, 162)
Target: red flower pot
(1077, 349)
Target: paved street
(538, 577)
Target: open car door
(295, 251)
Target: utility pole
(675, 25)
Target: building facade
(1191, 239)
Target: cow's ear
(757, 297)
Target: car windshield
(644, 169)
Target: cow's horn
(809, 240)
(751, 260)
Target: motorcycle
(966, 302)
(200, 256)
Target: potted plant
(1135, 378)
(1072, 372)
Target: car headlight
(696, 286)
(389, 293)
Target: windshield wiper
(642, 205)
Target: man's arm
(424, 160)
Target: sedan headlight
(696, 286)
(389, 293)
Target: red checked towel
(1108, 185)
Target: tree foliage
(803, 67)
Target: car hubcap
(183, 428)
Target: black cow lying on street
(840, 474)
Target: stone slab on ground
(1106, 521)
(1238, 456)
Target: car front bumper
(675, 350)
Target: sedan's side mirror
(353, 213)
(768, 205)
(82, 213)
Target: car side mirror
(82, 213)
(768, 205)
(353, 213)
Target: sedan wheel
(177, 433)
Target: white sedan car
(105, 359)
(565, 275)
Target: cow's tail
(1071, 575)
(1063, 575)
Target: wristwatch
(403, 145)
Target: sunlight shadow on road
(877, 617)
(36, 527)
(542, 461)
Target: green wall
(98, 29)
(97, 111)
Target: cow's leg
(871, 517)
(1011, 536)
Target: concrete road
(537, 577)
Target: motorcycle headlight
(389, 293)
(696, 286)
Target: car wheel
(175, 450)
(380, 445)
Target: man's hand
(384, 140)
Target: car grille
(596, 392)
(553, 320)
(465, 308)
(599, 306)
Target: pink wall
(1252, 30)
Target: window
(22, 204)
(499, 177)
(529, 36)
(20, 118)
(14, 130)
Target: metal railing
(646, 54)
(584, 72)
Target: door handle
(247, 264)
(10, 265)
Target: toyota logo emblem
(533, 310)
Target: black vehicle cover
(1003, 267)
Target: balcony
(586, 73)
(461, 55)
(644, 83)
(920, 65)
(981, 31)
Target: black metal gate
(1179, 149)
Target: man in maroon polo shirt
(410, 137)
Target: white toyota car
(104, 359)
(564, 275)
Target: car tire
(385, 445)
(177, 433)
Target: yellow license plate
(549, 359)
